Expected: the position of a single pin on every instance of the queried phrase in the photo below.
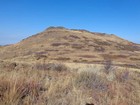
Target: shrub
(62, 58)
(99, 48)
(51, 66)
(123, 76)
(40, 55)
(90, 80)
(108, 66)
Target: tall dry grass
(63, 87)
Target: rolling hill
(59, 44)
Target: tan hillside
(69, 45)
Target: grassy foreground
(64, 87)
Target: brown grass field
(58, 85)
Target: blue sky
(22, 18)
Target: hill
(58, 44)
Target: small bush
(51, 66)
(90, 80)
(62, 58)
(99, 48)
(40, 55)
(108, 66)
(123, 76)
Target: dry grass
(63, 87)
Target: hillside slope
(69, 45)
